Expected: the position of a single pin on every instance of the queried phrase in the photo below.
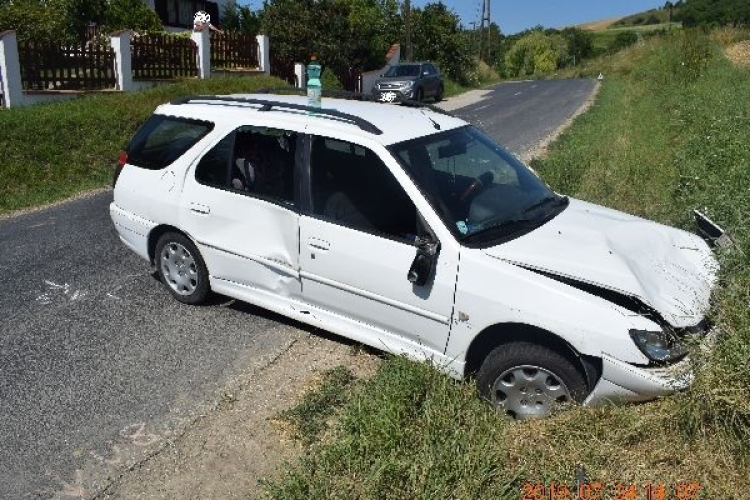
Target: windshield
(482, 192)
(403, 70)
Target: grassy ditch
(668, 133)
(51, 151)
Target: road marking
(518, 93)
(483, 107)
(135, 433)
(55, 289)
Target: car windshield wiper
(510, 225)
(545, 200)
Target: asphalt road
(99, 367)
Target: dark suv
(410, 81)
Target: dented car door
(246, 232)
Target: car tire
(181, 268)
(419, 96)
(439, 95)
(529, 381)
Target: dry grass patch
(739, 53)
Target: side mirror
(425, 73)
(424, 262)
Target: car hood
(668, 269)
(397, 79)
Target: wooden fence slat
(55, 66)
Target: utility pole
(488, 23)
(473, 37)
(407, 29)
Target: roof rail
(267, 105)
(345, 94)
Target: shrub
(623, 40)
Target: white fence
(12, 93)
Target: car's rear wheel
(181, 268)
(529, 381)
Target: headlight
(658, 346)
(408, 84)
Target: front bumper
(390, 95)
(623, 382)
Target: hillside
(653, 16)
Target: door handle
(318, 244)
(200, 209)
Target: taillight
(121, 161)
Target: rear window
(163, 139)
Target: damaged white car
(410, 231)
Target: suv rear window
(163, 139)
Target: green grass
(662, 138)
(390, 440)
(51, 151)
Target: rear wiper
(544, 201)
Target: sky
(517, 15)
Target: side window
(213, 169)
(254, 160)
(353, 187)
(163, 139)
(432, 69)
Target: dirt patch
(598, 25)
(228, 452)
(739, 53)
(463, 100)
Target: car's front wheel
(529, 381)
(440, 93)
(181, 268)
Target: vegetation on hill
(714, 12)
(667, 134)
(653, 16)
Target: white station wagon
(410, 231)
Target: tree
(580, 44)
(32, 21)
(345, 34)
(131, 14)
(623, 40)
(240, 19)
(536, 53)
(439, 38)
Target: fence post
(10, 68)
(299, 75)
(202, 41)
(264, 54)
(123, 59)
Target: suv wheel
(419, 95)
(440, 92)
(181, 268)
(529, 381)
